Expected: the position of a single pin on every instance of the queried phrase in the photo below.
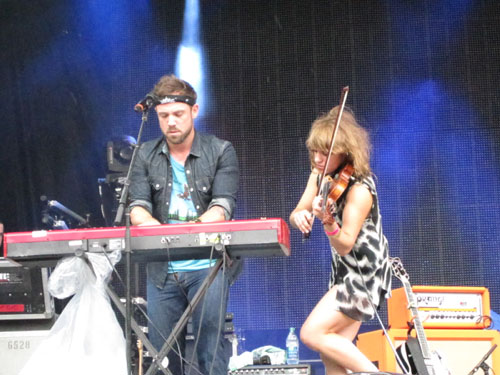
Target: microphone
(149, 101)
(67, 211)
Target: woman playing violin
(360, 278)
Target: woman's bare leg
(331, 333)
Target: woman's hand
(303, 221)
(324, 213)
(317, 208)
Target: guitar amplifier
(461, 349)
(442, 307)
(298, 369)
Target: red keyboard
(240, 238)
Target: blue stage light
(189, 65)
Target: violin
(332, 190)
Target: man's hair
(352, 140)
(171, 85)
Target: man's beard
(177, 139)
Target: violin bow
(343, 99)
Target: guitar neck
(419, 329)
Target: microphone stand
(118, 219)
(482, 364)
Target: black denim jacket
(212, 173)
(211, 169)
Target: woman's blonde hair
(352, 140)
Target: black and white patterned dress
(372, 254)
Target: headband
(177, 98)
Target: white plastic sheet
(86, 338)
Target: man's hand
(149, 222)
(140, 216)
(215, 213)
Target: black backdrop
(423, 79)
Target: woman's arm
(301, 217)
(357, 208)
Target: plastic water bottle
(292, 348)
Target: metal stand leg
(482, 364)
(131, 321)
(135, 327)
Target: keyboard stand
(119, 305)
(183, 320)
(135, 327)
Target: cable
(177, 350)
(398, 360)
(222, 314)
(140, 309)
(198, 335)
(488, 321)
(101, 196)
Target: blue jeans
(165, 307)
